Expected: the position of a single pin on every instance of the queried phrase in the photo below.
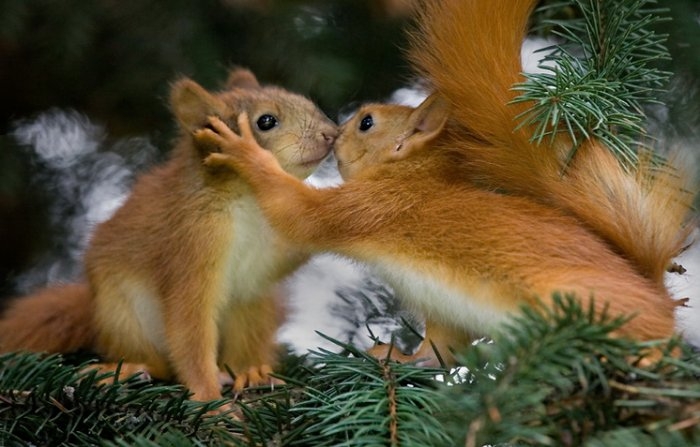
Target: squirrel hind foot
(119, 372)
(422, 357)
(254, 376)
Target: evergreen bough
(597, 81)
(354, 399)
(554, 376)
(44, 401)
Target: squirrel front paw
(240, 152)
(218, 133)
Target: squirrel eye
(366, 123)
(266, 122)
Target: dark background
(113, 60)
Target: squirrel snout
(329, 137)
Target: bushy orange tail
(470, 51)
(56, 319)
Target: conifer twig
(597, 80)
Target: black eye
(266, 122)
(366, 123)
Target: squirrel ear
(242, 78)
(192, 104)
(427, 120)
(430, 117)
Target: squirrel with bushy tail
(465, 216)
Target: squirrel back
(469, 50)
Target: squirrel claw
(255, 376)
(206, 136)
(218, 133)
(227, 409)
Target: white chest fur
(472, 310)
(256, 255)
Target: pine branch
(597, 81)
(553, 377)
(354, 399)
(557, 377)
(45, 402)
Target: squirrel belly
(475, 308)
(274, 257)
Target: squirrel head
(288, 125)
(384, 133)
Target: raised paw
(239, 152)
(218, 133)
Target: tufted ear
(241, 78)
(425, 124)
(192, 104)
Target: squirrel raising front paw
(462, 214)
(183, 279)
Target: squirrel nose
(329, 137)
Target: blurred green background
(113, 60)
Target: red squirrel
(181, 281)
(463, 215)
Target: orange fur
(469, 50)
(466, 257)
(183, 276)
(54, 319)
